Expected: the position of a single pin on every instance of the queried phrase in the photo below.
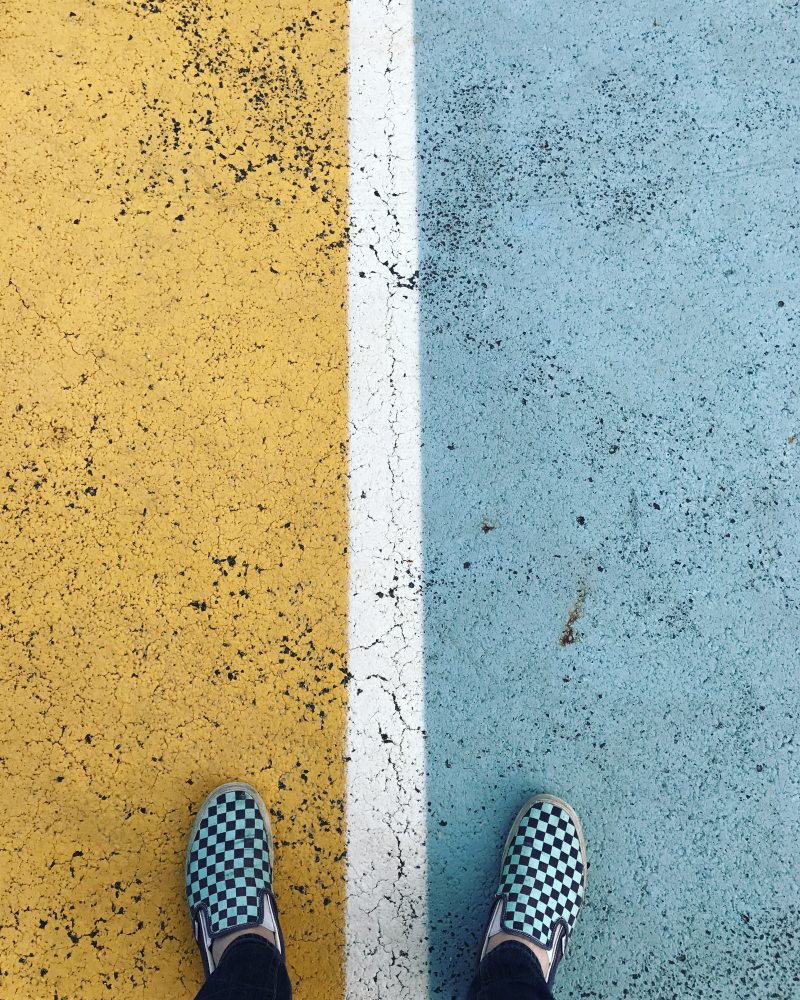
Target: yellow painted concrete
(172, 469)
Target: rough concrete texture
(173, 467)
(609, 289)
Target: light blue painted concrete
(609, 223)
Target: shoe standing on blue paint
(229, 865)
(542, 888)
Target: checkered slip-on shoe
(229, 868)
(542, 878)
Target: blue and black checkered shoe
(542, 878)
(229, 868)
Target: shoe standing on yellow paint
(542, 889)
(229, 864)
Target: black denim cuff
(510, 971)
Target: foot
(220, 946)
(229, 872)
(542, 957)
(542, 882)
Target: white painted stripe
(386, 810)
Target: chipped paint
(607, 299)
(608, 329)
(173, 463)
(386, 869)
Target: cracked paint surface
(608, 313)
(386, 868)
(173, 465)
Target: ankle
(541, 955)
(221, 944)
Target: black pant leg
(510, 972)
(250, 969)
